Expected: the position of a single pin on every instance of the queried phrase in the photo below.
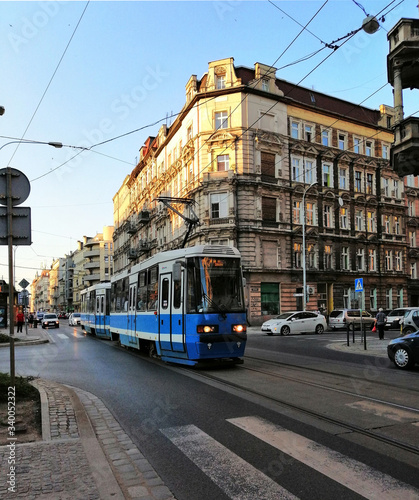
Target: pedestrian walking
(380, 321)
(20, 317)
(30, 320)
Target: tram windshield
(214, 285)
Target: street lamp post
(304, 246)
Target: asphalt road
(193, 432)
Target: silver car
(298, 322)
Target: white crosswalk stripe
(355, 475)
(241, 481)
(238, 479)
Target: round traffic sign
(21, 186)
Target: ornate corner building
(299, 181)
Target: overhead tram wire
(51, 79)
(177, 114)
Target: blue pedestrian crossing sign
(359, 285)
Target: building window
(370, 183)
(411, 209)
(389, 298)
(269, 298)
(343, 218)
(308, 133)
(221, 82)
(265, 85)
(371, 222)
(373, 299)
(413, 272)
(267, 164)
(296, 170)
(295, 130)
(223, 163)
(269, 209)
(218, 203)
(328, 264)
(342, 141)
(360, 263)
(372, 264)
(357, 145)
(396, 184)
(398, 261)
(386, 224)
(385, 152)
(312, 256)
(396, 227)
(386, 187)
(346, 298)
(345, 258)
(389, 260)
(325, 137)
(368, 148)
(310, 214)
(400, 297)
(221, 120)
(327, 216)
(310, 172)
(297, 212)
(412, 238)
(189, 134)
(327, 175)
(358, 181)
(359, 216)
(297, 255)
(342, 178)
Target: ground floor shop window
(269, 293)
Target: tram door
(131, 313)
(100, 314)
(170, 313)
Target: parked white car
(74, 319)
(298, 322)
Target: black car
(404, 351)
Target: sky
(107, 75)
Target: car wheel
(285, 330)
(403, 359)
(408, 330)
(319, 329)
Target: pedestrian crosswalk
(242, 481)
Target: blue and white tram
(185, 306)
(95, 309)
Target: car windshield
(285, 315)
(335, 314)
(50, 316)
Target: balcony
(92, 253)
(404, 152)
(404, 47)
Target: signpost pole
(11, 280)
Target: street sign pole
(11, 280)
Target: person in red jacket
(20, 318)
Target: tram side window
(177, 294)
(152, 288)
(92, 302)
(142, 291)
(120, 295)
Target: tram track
(384, 385)
(317, 415)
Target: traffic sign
(359, 285)
(23, 283)
(20, 186)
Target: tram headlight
(207, 328)
(239, 328)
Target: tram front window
(214, 285)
